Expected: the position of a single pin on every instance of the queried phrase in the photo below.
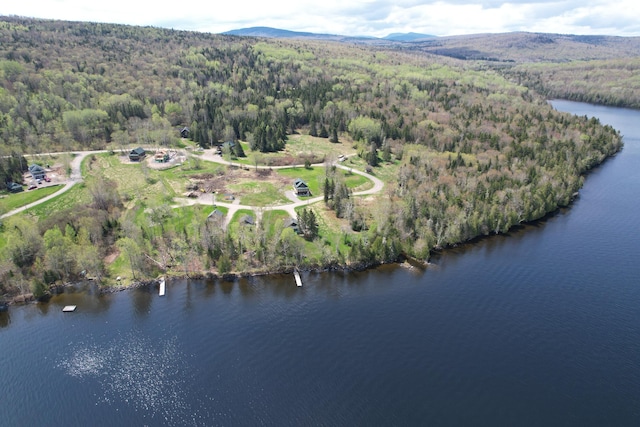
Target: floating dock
(162, 287)
(298, 279)
(69, 308)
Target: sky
(376, 18)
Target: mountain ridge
(272, 32)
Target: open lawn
(273, 221)
(235, 226)
(14, 201)
(386, 171)
(259, 193)
(78, 195)
(315, 177)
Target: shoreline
(101, 289)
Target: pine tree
(239, 150)
(334, 135)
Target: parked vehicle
(32, 187)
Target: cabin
(293, 224)
(137, 154)
(37, 172)
(184, 132)
(301, 188)
(215, 215)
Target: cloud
(356, 17)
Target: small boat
(69, 308)
(162, 287)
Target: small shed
(247, 220)
(301, 188)
(184, 132)
(293, 224)
(137, 154)
(14, 187)
(37, 171)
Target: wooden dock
(162, 287)
(69, 308)
(298, 279)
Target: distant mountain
(278, 33)
(515, 47)
(531, 47)
(408, 37)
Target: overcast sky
(351, 17)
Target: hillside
(463, 151)
(532, 47)
(596, 69)
(555, 65)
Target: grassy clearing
(256, 193)
(314, 177)
(305, 144)
(298, 147)
(14, 201)
(273, 221)
(331, 232)
(189, 216)
(78, 195)
(356, 182)
(385, 171)
(235, 226)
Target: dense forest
(472, 152)
(614, 82)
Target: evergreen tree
(239, 150)
(334, 135)
(323, 132)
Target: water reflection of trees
(86, 296)
(142, 299)
(5, 319)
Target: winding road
(209, 155)
(290, 208)
(74, 178)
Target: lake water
(539, 327)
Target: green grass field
(315, 179)
(14, 201)
(298, 147)
(256, 193)
(77, 195)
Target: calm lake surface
(540, 327)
